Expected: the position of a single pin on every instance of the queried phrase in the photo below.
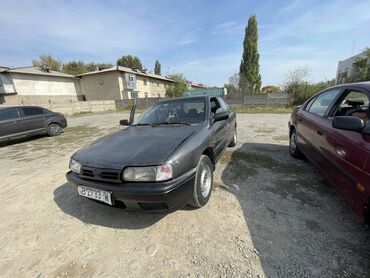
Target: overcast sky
(202, 39)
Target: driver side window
(353, 102)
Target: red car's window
(323, 102)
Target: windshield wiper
(145, 124)
(173, 123)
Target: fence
(259, 100)
(74, 106)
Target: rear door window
(322, 102)
(9, 114)
(32, 111)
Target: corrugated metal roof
(124, 69)
(213, 91)
(38, 71)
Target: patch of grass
(254, 110)
(281, 138)
(265, 130)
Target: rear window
(9, 114)
(31, 111)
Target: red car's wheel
(293, 145)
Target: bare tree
(233, 85)
(295, 79)
(298, 76)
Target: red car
(331, 130)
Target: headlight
(150, 173)
(75, 166)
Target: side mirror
(124, 122)
(348, 123)
(221, 116)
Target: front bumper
(64, 123)
(156, 196)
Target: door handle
(319, 131)
(299, 118)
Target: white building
(34, 84)
(346, 67)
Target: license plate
(95, 194)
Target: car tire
(235, 139)
(54, 129)
(203, 182)
(293, 145)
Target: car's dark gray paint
(135, 146)
(28, 125)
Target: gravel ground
(269, 216)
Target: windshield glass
(178, 111)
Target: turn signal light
(360, 187)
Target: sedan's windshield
(178, 111)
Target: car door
(309, 118)
(342, 151)
(33, 119)
(228, 128)
(217, 128)
(9, 122)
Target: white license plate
(95, 194)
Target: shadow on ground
(20, 140)
(91, 212)
(299, 225)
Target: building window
(146, 94)
(145, 82)
(157, 84)
(131, 78)
(133, 95)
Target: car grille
(107, 175)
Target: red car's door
(308, 120)
(305, 129)
(342, 154)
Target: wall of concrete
(31, 85)
(74, 106)
(259, 100)
(102, 86)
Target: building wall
(153, 87)
(38, 85)
(102, 86)
(112, 86)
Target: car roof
(20, 106)
(187, 97)
(365, 84)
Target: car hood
(135, 145)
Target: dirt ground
(269, 216)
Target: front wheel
(203, 182)
(293, 145)
(54, 129)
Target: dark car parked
(22, 121)
(332, 130)
(162, 161)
